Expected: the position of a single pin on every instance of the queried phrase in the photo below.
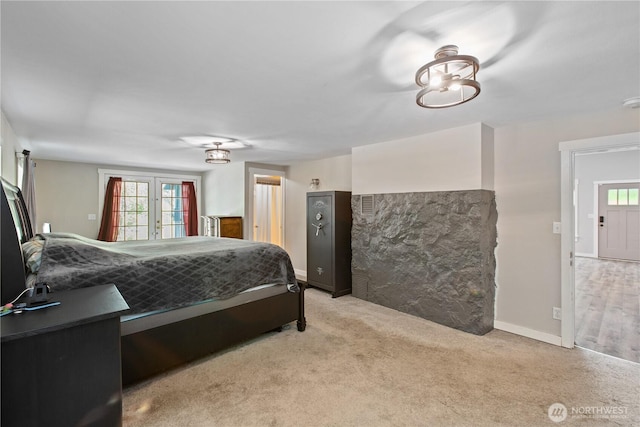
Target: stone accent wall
(429, 254)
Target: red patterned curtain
(111, 211)
(190, 208)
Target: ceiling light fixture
(632, 102)
(448, 80)
(217, 155)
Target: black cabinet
(329, 241)
(61, 365)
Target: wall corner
(487, 157)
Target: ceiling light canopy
(448, 80)
(217, 155)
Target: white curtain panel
(267, 214)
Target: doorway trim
(568, 150)
(253, 171)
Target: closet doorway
(267, 206)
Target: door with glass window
(136, 210)
(169, 216)
(619, 221)
(151, 209)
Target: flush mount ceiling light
(448, 80)
(217, 155)
(632, 102)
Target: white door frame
(251, 199)
(568, 150)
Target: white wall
(449, 160)
(223, 187)
(66, 193)
(617, 165)
(334, 174)
(487, 160)
(527, 185)
(9, 145)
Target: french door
(151, 208)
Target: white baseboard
(301, 274)
(529, 333)
(586, 255)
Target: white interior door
(619, 221)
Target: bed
(189, 297)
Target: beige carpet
(359, 364)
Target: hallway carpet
(359, 364)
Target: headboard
(15, 230)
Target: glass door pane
(134, 211)
(170, 221)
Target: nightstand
(61, 364)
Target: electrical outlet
(557, 313)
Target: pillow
(32, 253)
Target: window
(134, 211)
(622, 197)
(172, 211)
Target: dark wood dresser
(329, 241)
(61, 365)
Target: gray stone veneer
(428, 254)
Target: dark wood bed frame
(156, 350)
(152, 351)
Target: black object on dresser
(329, 241)
(61, 364)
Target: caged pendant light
(217, 155)
(448, 80)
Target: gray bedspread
(161, 274)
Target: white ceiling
(123, 83)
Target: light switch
(91, 217)
(557, 228)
